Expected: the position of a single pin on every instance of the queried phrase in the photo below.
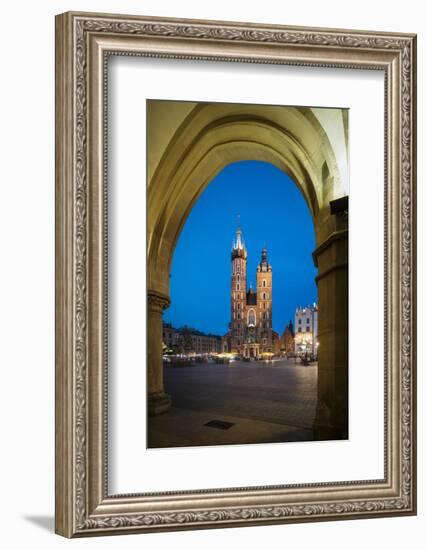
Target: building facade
(287, 340)
(251, 333)
(189, 341)
(306, 341)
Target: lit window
(251, 317)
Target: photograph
(252, 319)
(235, 272)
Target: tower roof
(238, 249)
(264, 265)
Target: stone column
(157, 400)
(331, 257)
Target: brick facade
(251, 332)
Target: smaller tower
(264, 292)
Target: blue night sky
(279, 219)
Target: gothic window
(238, 315)
(238, 286)
(238, 277)
(264, 284)
(251, 317)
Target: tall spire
(238, 248)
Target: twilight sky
(273, 213)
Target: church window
(264, 284)
(238, 286)
(251, 317)
(238, 277)
(238, 315)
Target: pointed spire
(239, 248)
(264, 255)
(239, 241)
(238, 244)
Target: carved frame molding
(83, 42)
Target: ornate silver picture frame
(84, 505)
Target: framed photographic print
(235, 274)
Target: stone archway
(206, 139)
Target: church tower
(264, 290)
(238, 292)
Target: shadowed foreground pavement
(265, 403)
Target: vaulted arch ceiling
(190, 143)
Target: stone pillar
(157, 400)
(331, 258)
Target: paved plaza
(254, 403)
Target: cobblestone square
(264, 403)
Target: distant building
(169, 336)
(190, 341)
(276, 343)
(306, 330)
(251, 332)
(287, 340)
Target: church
(250, 330)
